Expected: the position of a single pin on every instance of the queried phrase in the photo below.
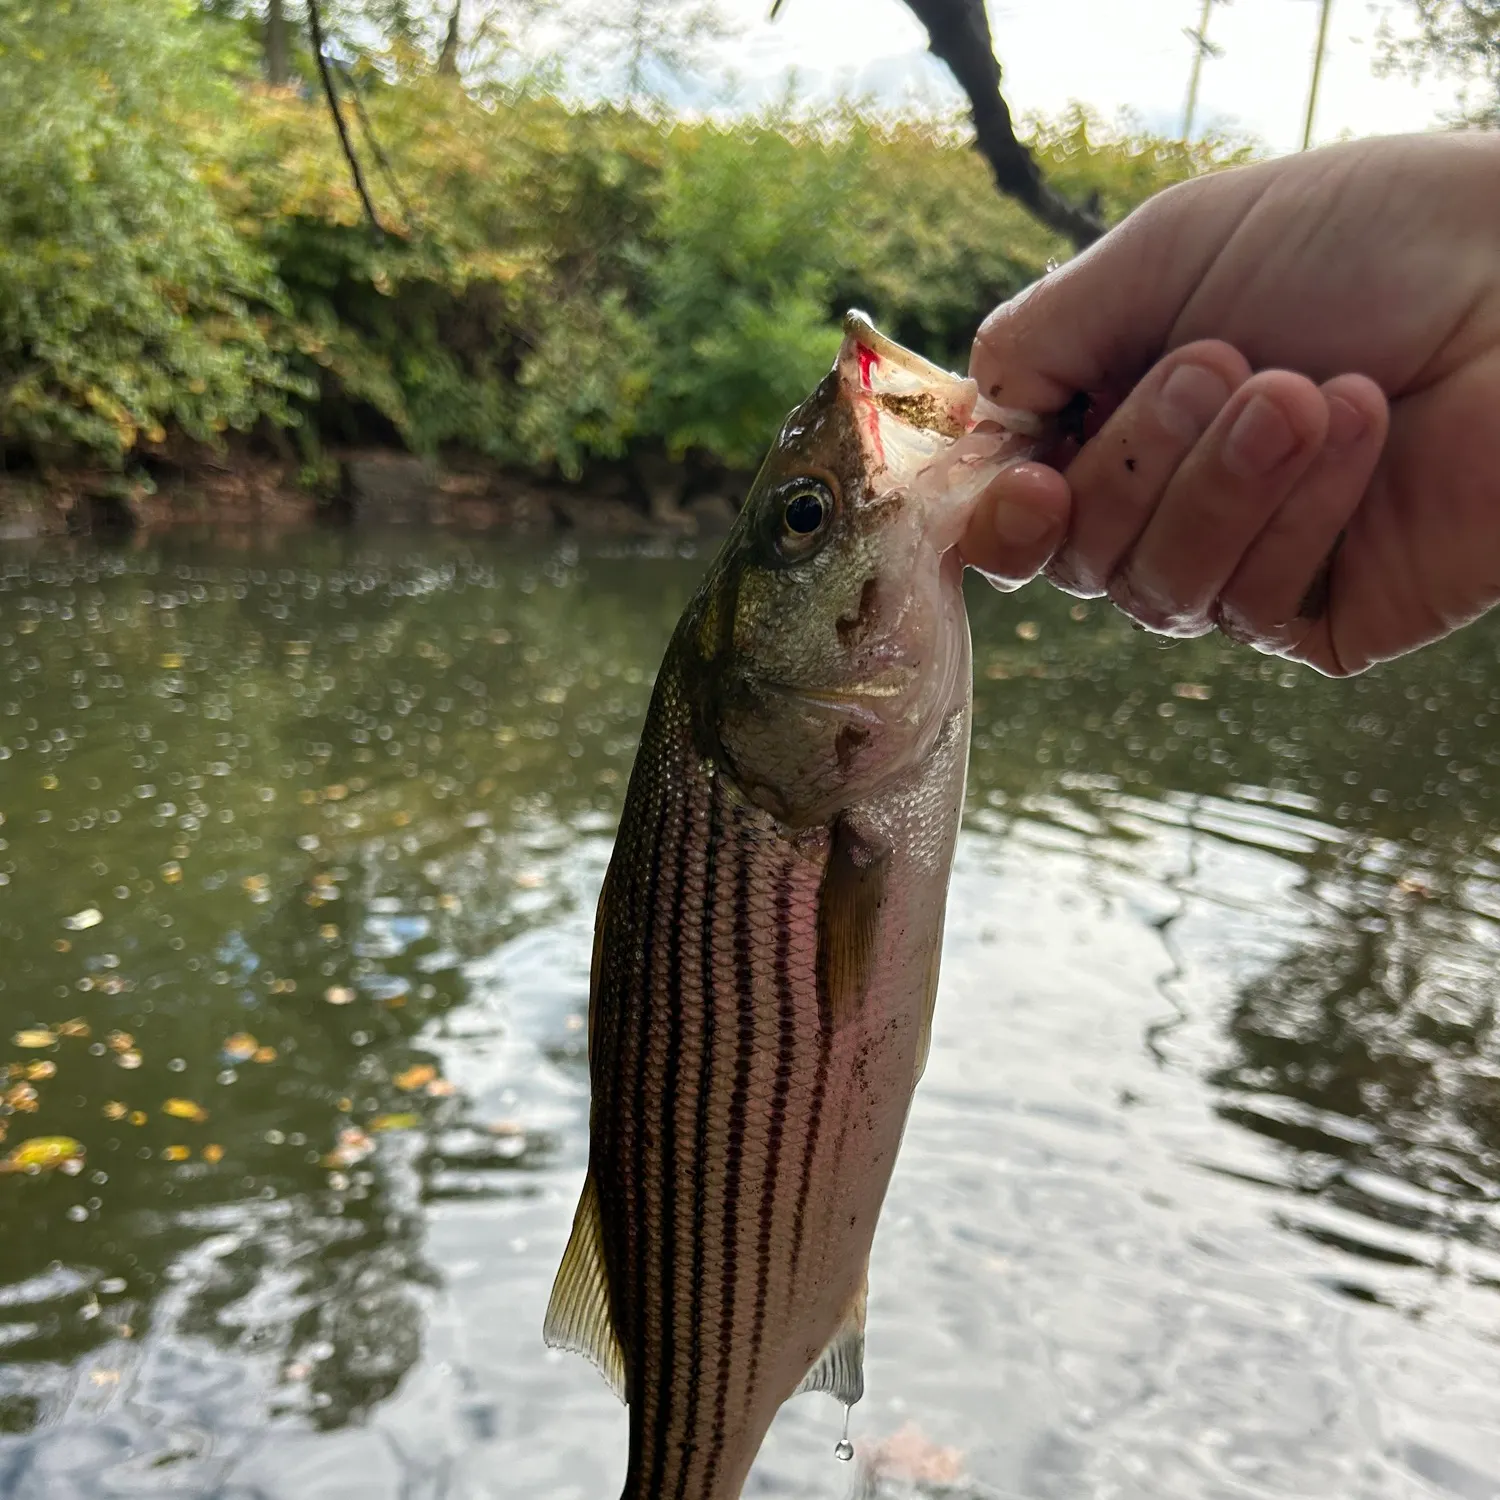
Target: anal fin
(578, 1316)
(840, 1369)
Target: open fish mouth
(928, 428)
(922, 394)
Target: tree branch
(315, 24)
(367, 129)
(958, 33)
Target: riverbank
(553, 288)
(244, 488)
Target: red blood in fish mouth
(868, 359)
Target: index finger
(1105, 317)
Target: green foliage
(1459, 38)
(181, 248)
(127, 303)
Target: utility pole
(1202, 48)
(278, 68)
(1325, 6)
(448, 57)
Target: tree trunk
(278, 65)
(448, 57)
(958, 32)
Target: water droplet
(843, 1450)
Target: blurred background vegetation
(183, 255)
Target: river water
(1200, 1195)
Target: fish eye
(805, 511)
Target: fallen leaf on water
(76, 1028)
(81, 921)
(1195, 690)
(119, 1041)
(171, 872)
(49, 783)
(129, 1059)
(354, 1145)
(329, 932)
(415, 1077)
(39, 1070)
(42, 1153)
(339, 994)
(1028, 630)
(395, 1122)
(185, 1109)
(909, 1455)
(171, 660)
(441, 1088)
(254, 883)
(114, 1110)
(175, 1153)
(22, 1098)
(137, 1117)
(264, 1055)
(213, 1154)
(241, 1047)
(39, 1038)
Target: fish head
(829, 640)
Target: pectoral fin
(578, 1316)
(841, 1369)
(929, 1004)
(849, 902)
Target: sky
(1113, 55)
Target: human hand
(1295, 433)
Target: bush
(127, 304)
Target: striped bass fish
(767, 940)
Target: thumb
(1103, 319)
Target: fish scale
(768, 934)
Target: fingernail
(1189, 400)
(1259, 440)
(1346, 423)
(1019, 525)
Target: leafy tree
(182, 250)
(1460, 38)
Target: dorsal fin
(578, 1316)
(840, 1369)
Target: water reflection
(296, 882)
